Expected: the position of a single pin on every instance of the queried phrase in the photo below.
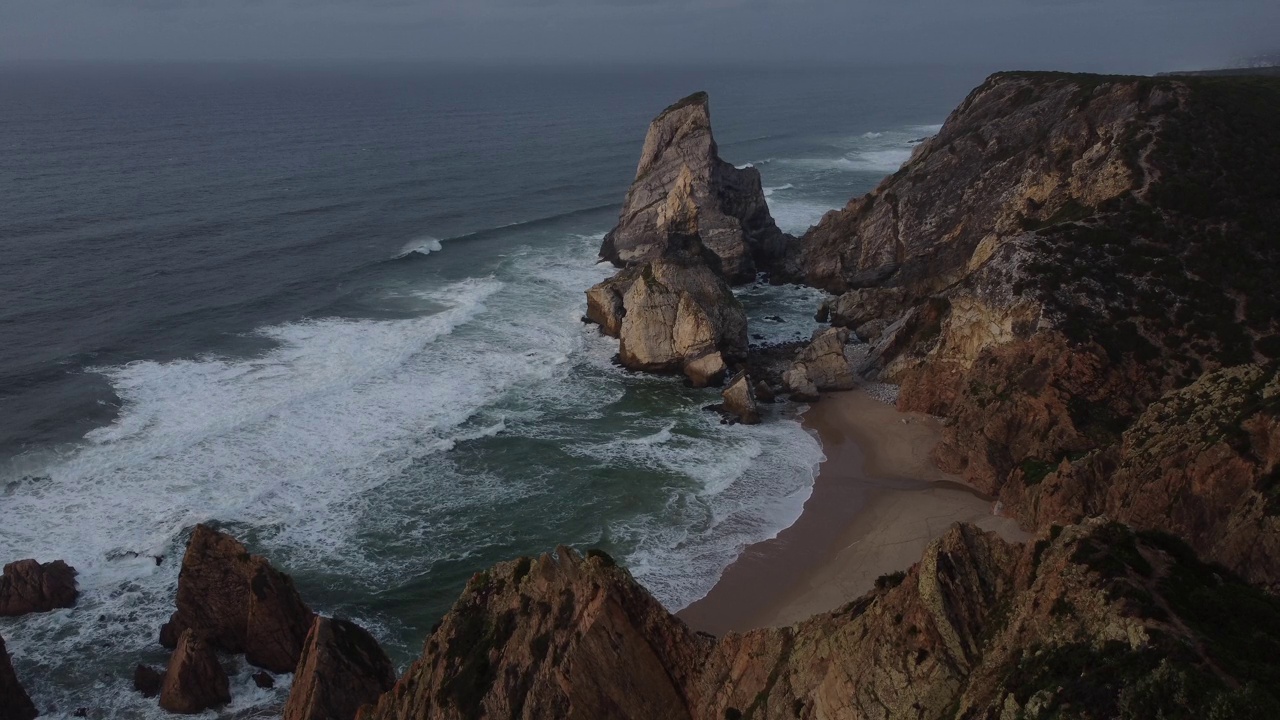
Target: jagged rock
(15, 704)
(764, 393)
(825, 362)
(796, 381)
(147, 680)
(732, 212)
(238, 602)
(706, 371)
(604, 302)
(740, 400)
(553, 637)
(194, 681)
(1091, 620)
(264, 679)
(342, 668)
(27, 586)
(858, 307)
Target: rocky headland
(1076, 275)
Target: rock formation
(1090, 621)
(14, 702)
(342, 668)
(238, 602)
(27, 586)
(740, 400)
(733, 217)
(1067, 251)
(673, 312)
(194, 681)
(825, 362)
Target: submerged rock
(27, 587)
(342, 668)
(194, 681)
(732, 213)
(238, 602)
(15, 704)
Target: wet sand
(877, 502)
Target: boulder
(194, 680)
(740, 400)
(147, 680)
(238, 602)
(825, 362)
(731, 208)
(27, 586)
(14, 702)
(604, 302)
(264, 680)
(796, 381)
(706, 371)
(342, 668)
(764, 393)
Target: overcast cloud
(1131, 35)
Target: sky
(1117, 35)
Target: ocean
(336, 310)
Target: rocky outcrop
(733, 216)
(238, 602)
(1091, 620)
(674, 312)
(27, 586)
(1068, 250)
(342, 668)
(194, 681)
(1203, 462)
(15, 704)
(740, 400)
(825, 363)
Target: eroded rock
(15, 704)
(733, 215)
(740, 400)
(238, 602)
(825, 362)
(194, 681)
(342, 668)
(147, 680)
(28, 586)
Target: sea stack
(28, 586)
(733, 218)
(238, 602)
(673, 312)
(14, 702)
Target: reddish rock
(342, 668)
(14, 702)
(27, 587)
(238, 602)
(194, 680)
(264, 680)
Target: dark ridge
(698, 98)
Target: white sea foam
(421, 246)
(769, 191)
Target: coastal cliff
(1090, 620)
(1068, 251)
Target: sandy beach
(877, 502)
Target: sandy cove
(877, 501)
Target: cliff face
(1065, 252)
(1091, 620)
(733, 217)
